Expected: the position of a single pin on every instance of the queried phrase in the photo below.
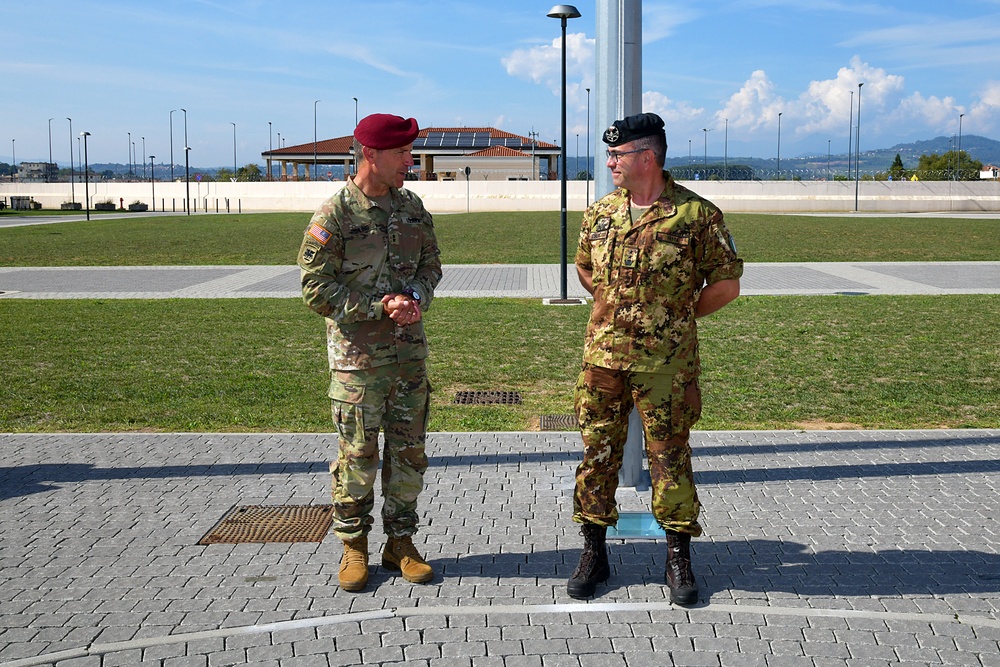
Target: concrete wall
(457, 196)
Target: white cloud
(984, 112)
(671, 111)
(755, 105)
(661, 20)
(543, 64)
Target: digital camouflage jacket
(352, 254)
(648, 276)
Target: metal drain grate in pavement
(276, 523)
(557, 422)
(488, 397)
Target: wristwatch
(412, 293)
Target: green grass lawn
(769, 362)
(260, 365)
(482, 238)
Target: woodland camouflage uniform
(353, 253)
(642, 347)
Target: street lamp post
(725, 168)
(857, 152)
(779, 145)
(86, 168)
(72, 187)
(355, 111)
(960, 143)
(50, 151)
(172, 144)
(850, 136)
(187, 180)
(144, 157)
(706, 131)
(270, 149)
(587, 200)
(129, 150)
(234, 150)
(314, 138)
(563, 12)
(187, 146)
(13, 158)
(152, 182)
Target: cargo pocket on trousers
(685, 404)
(348, 415)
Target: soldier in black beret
(655, 256)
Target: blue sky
(118, 67)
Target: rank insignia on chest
(631, 258)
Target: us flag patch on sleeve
(317, 232)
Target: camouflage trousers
(669, 404)
(393, 399)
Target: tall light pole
(270, 149)
(588, 148)
(725, 169)
(72, 187)
(960, 143)
(234, 150)
(706, 131)
(50, 151)
(828, 159)
(13, 159)
(129, 150)
(314, 138)
(187, 147)
(779, 145)
(850, 136)
(172, 144)
(144, 157)
(857, 152)
(152, 180)
(86, 168)
(187, 180)
(563, 12)
(355, 111)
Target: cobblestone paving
(821, 548)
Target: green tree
(947, 166)
(897, 171)
(251, 172)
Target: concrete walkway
(821, 548)
(486, 280)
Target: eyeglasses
(618, 155)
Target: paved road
(482, 280)
(821, 548)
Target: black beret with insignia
(632, 128)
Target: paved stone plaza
(821, 548)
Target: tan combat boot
(401, 556)
(354, 565)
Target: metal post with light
(563, 12)
(778, 176)
(152, 184)
(960, 144)
(72, 186)
(314, 138)
(270, 149)
(587, 200)
(187, 181)
(234, 150)
(86, 168)
(47, 169)
(857, 152)
(172, 144)
(706, 131)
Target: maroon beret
(382, 131)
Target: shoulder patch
(319, 233)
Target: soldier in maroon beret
(370, 262)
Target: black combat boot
(593, 568)
(679, 577)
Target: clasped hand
(403, 309)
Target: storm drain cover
(557, 422)
(245, 524)
(488, 397)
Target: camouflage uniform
(642, 347)
(353, 253)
